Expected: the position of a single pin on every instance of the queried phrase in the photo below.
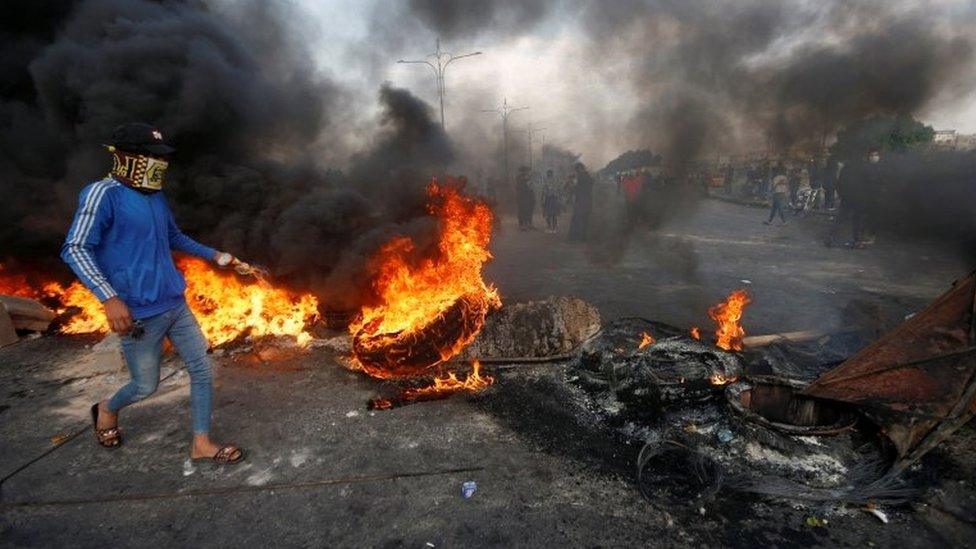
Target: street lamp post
(438, 61)
(531, 130)
(504, 111)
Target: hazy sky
(585, 101)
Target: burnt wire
(691, 474)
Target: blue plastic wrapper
(467, 488)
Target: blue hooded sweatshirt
(120, 244)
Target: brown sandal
(227, 455)
(108, 438)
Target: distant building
(944, 138)
(950, 139)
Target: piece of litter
(701, 511)
(467, 488)
(724, 436)
(429, 544)
(353, 413)
(816, 522)
(872, 510)
(59, 438)
(188, 468)
(744, 281)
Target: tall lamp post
(531, 130)
(438, 61)
(504, 111)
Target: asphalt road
(324, 471)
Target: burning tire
(414, 353)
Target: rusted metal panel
(918, 381)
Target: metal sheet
(919, 380)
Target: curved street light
(438, 62)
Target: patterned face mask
(139, 171)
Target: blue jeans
(779, 202)
(143, 354)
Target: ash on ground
(659, 407)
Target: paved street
(324, 471)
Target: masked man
(120, 245)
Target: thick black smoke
(240, 127)
(920, 194)
(783, 78)
(238, 98)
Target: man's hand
(223, 259)
(117, 313)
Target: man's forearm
(183, 243)
(83, 264)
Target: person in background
(525, 198)
(582, 204)
(855, 187)
(780, 194)
(794, 185)
(120, 245)
(829, 182)
(551, 205)
(632, 187)
(728, 177)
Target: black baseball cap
(139, 137)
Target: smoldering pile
(699, 417)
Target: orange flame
(442, 387)
(695, 332)
(646, 339)
(225, 307)
(417, 290)
(721, 379)
(90, 317)
(729, 333)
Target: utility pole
(544, 159)
(531, 130)
(438, 61)
(504, 111)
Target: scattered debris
(816, 522)
(917, 382)
(27, 314)
(724, 436)
(59, 438)
(8, 334)
(468, 488)
(878, 513)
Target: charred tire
(415, 353)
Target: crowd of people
(798, 187)
(573, 193)
(792, 187)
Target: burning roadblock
(712, 411)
